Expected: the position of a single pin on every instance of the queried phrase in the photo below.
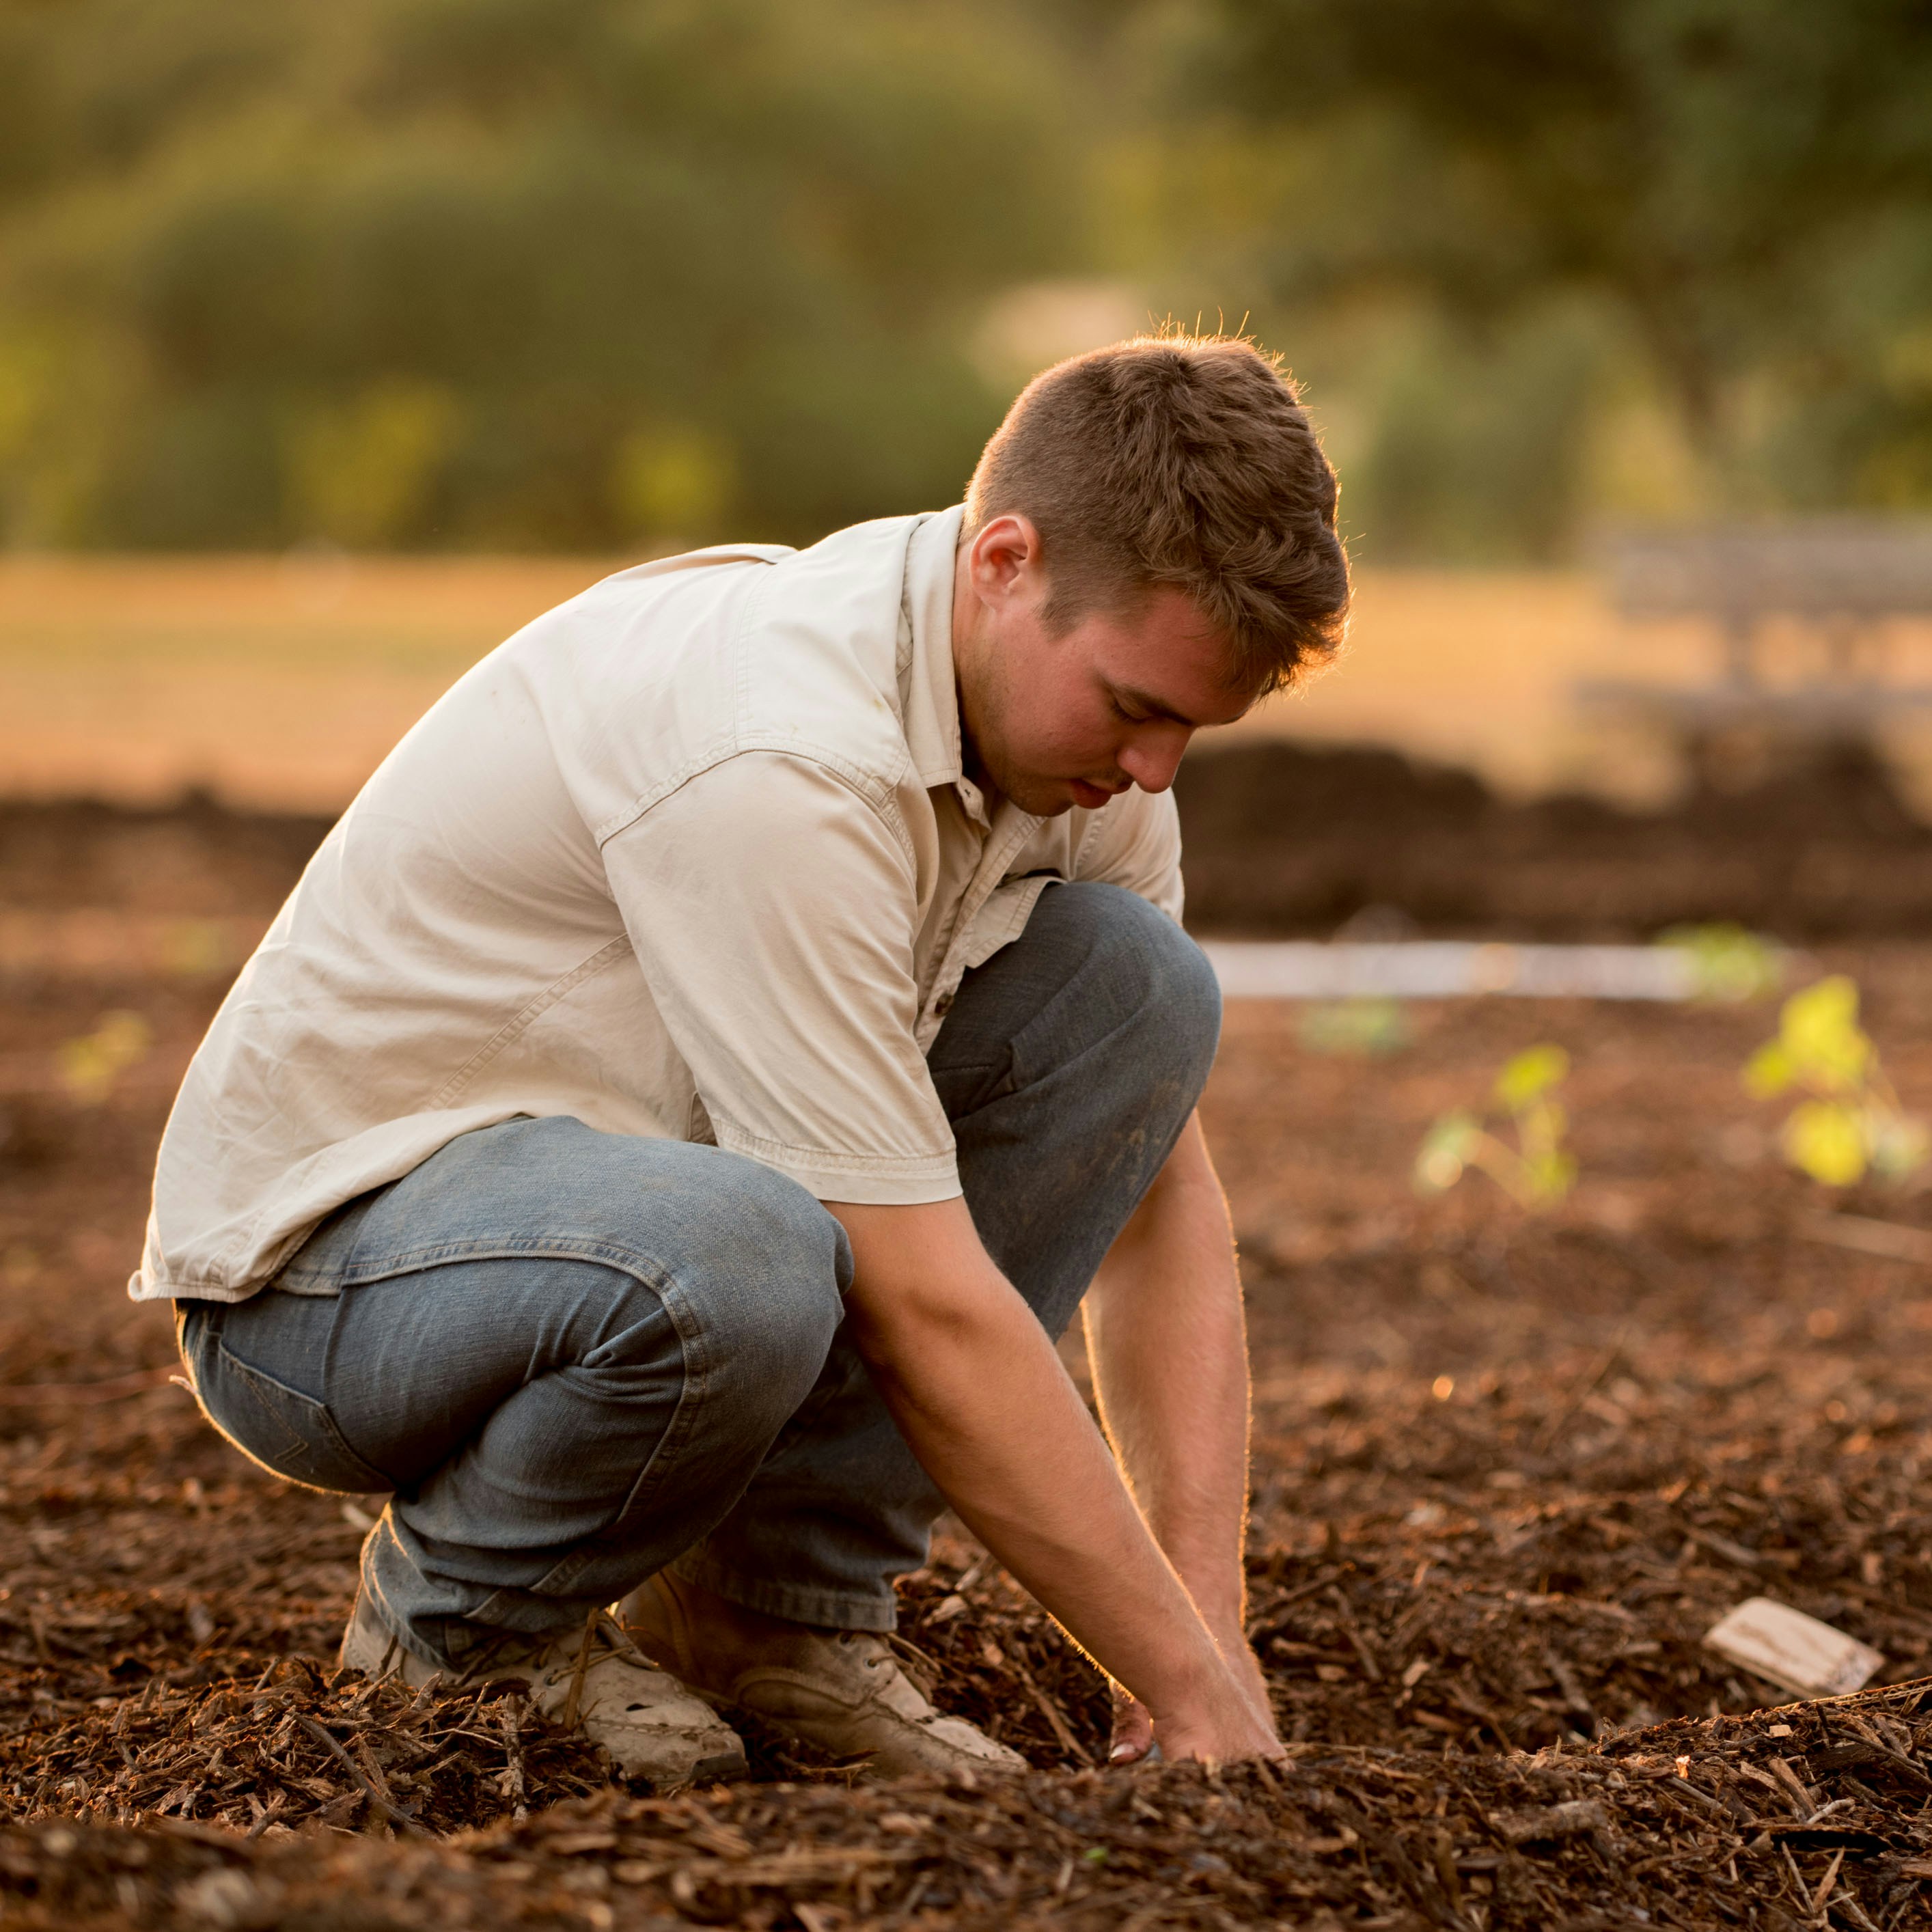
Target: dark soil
(195, 859)
(1509, 1470)
(1280, 838)
(1289, 838)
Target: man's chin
(1038, 798)
(1045, 804)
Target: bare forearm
(1017, 1457)
(1166, 1338)
(976, 1388)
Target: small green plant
(1369, 1028)
(1851, 1123)
(1538, 1170)
(1729, 964)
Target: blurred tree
(562, 272)
(592, 273)
(1716, 169)
(359, 473)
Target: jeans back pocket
(290, 1434)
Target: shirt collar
(927, 678)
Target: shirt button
(943, 1005)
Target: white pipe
(1434, 969)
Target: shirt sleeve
(772, 909)
(1135, 842)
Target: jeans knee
(779, 1271)
(1184, 996)
(1160, 985)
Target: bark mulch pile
(327, 1791)
(1509, 1470)
(1810, 1815)
(298, 1744)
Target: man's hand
(1133, 1733)
(975, 1386)
(1165, 1337)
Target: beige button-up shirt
(690, 857)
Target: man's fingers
(1133, 1729)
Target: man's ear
(1003, 556)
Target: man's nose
(1150, 758)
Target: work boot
(595, 1681)
(842, 1690)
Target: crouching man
(663, 1134)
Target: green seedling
(1729, 964)
(1850, 1123)
(1538, 1170)
(1370, 1028)
(90, 1065)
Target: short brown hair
(1181, 461)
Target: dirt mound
(1280, 838)
(1295, 839)
(196, 858)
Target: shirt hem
(144, 1286)
(867, 1181)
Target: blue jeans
(576, 1358)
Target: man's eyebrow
(1143, 701)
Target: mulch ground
(1509, 1470)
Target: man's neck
(967, 643)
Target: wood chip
(1797, 1651)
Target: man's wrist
(1198, 1681)
(1221, 1601)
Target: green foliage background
(595, 273)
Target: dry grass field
(281, 682)
(278, 682)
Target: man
(664, 1132)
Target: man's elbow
(909, 1325)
